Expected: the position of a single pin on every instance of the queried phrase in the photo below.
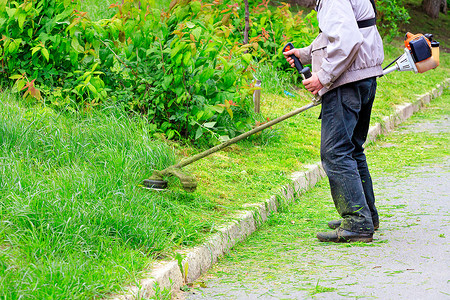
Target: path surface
(410, 256)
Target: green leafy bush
(391, 13)
(186, 69)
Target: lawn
(75, 220)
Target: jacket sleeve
(338, 24)
(305, 55)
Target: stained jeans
(345, 123)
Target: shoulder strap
(363, 23)
(318, 3)
(374, 7)
(369, 22)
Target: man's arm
(338, 25)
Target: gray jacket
(342, 52)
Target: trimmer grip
(305, 72)
(297, 63)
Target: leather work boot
(343, 236)
(336, 223)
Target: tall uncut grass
(74, 222)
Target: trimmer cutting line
(421, 54)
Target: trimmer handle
(304, 71)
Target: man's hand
(287, 55)
(313, 84)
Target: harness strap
(362, 23)
(367, 23)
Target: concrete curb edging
(167, 275)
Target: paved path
(409, 258)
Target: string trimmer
(421, 54)
(156, 181)
(415, 59)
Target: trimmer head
(156, 181)
(155, 184)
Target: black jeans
(345, 122)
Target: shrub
(186, 69)
(391, 13)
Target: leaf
(230, 112)
(12, 47)
(263, 21)
(3, 4)
(228, 80)
(167, 81)
(11, 12)
(170, 134)
(97, 82)
(20, 84)
(17, 76)
(45, 54)
(247, 57)
(224, 62)
(94, 66)
(200, 115)
(35, 49)
(187, 58)
(178, 59)
(209, 124)
(199, 133)
(92, 88)
(224, 138)
(195, 6)
(206, 74)
(88, 79)
(32, 90)
(21, 19)
(74, 23)
(175, 50)
(197, 32)
(218, 108)
(76, 45)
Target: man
(346, 58)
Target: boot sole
(347, 240)
(358, 239)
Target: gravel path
(409, 258)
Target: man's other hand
(313, 84)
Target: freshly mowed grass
(285, 249)
(74, 221)
(394, 152)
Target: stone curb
(167, 275)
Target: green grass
(76, 224)
(74, 221)
(285, 249)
